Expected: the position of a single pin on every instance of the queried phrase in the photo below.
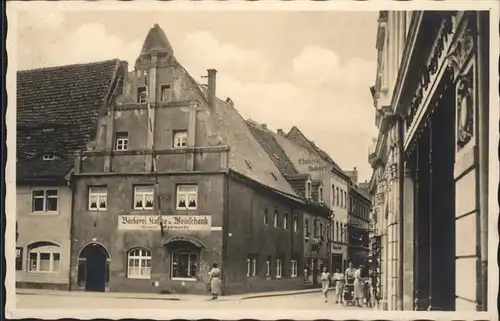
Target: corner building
(220, 197)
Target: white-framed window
(320, 194)
(187, 197)
(293, 268)
(268, 266)
(251, 265)
(165, 92)
(121, 142)
(139, 264)
(308, 189)
(279, 268)
(142, 95)
(98, 198)
(184, 265)
(180, 138)
(45, 200)
(143, 197)
(275, 219)
(295, 224)
(44, 257)
(285, 221)
(266, 216)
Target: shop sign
(170, 222)
(313, 164)
(336, 248)
(19, 258)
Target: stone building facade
(172, 182)
(430, 160)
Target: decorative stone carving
(465, 110)
(461, 50)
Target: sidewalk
(157, 296)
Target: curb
(266, 295)
(100, 296)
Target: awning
(184, 239)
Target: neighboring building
(317, 220)
(430, 160)
(358, 225)
(336, 184)
(214, 195)
(56, 108)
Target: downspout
(401, 178)
(483, 129)
(225, 227)
(71, 184)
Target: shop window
(293, 268)
(187, 197)
(251, 265)
(143, 198)
(44, 257)
(279, 269)
(180, 138)
(184, 265)
(165, 93)
(142, 95)
(139, 264)
(268, 266)
(266, 216)
(46, 200)
(121, 141)
(285, 221)
(275, 218)
(98, 198)
(295, 224)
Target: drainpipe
(401, 178)
(483, 128)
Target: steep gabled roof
(156, 41)
(271, 146)
(57, 111)
(297, 136)
(246, 156)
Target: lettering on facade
(170, 222)
(336, 248)
(314, 164)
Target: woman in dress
(215, 282)
(358, 287)
(338, 278)
(325, 283)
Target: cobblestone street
(300, 301)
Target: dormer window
(48, 157)
(142, 95)
(308, 189)
(320, 195)
(121, 141)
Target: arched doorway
(93, 268)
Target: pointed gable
(156, 42)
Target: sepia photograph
(249, 160)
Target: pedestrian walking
(325, 282)
(339, 280)
(215, 282)
(358, 287)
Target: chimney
(264, 126)
(281, 132)
(211, 87)
(124, 66)
(230, 102)
(354, 176)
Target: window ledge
(185, 279)
(142, 209)
(133, 277)
(98, 210)
(44, 213)
(43, 272)
(185, 209)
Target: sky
(310, 69)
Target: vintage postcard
(266, 160)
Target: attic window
(248, 164)
(48, 157)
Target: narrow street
(311, 301)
